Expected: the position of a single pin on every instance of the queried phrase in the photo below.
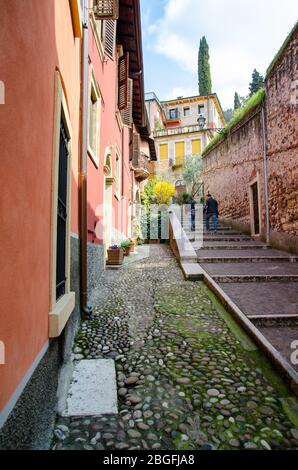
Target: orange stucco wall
(36, 38)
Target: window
(179, 153)
(62, 300)
(106, 9)
(186, 112)
(163, 152)
(173, 113)
(109, 34)
(126, 113)
(196, 147)
(93, 122)
(201, 109)
(123, 84)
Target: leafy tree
(191, 173)
(148, 195)
(228, 114)
(237, 101)
(205, 82)
(257, 82)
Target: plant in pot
(115, 255)
(133, 244)
(126, 246)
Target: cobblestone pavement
(185, 379)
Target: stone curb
(226, 278)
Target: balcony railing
(141, 167)
(177, 131)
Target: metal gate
(62, 213)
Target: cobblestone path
(186, 380)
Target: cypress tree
(257, 82)
(237, 102)
(205, 83)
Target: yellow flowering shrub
(163, 192)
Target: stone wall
(231, 166)
(282, 140)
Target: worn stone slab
(264, 298)
(192, 271)
(251, 269)
(93, 389)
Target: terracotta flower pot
(115, 256)
(127, 251)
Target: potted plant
(134, 243)
(115, 255)
(126, 246)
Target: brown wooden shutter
(109, 37)
(135, 149)
(106, 9)
(126, 114)
(123, 65)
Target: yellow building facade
(182, 127)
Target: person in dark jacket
(211, 212)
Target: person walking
(211, 212)
(192, 205)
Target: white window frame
(187, 108)
(118, 172)
(94, 91)
(61, 309)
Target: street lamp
(201, 121)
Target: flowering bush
(163, 192)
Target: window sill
(60, 315)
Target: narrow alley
(188, 377)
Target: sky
(242, 35)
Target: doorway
(255, 208)
(108, 203)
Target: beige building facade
(182, 128)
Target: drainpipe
(86, 309)
(265, 165)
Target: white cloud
(181, 91)
(242, 35)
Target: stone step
(232, 246)
(248, 255)
(252, 269)
(256, 278)
(245, 259)
(263, 299)
(219, 238)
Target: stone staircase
(261, 281)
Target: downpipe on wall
(86, 309)
(265, 165)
